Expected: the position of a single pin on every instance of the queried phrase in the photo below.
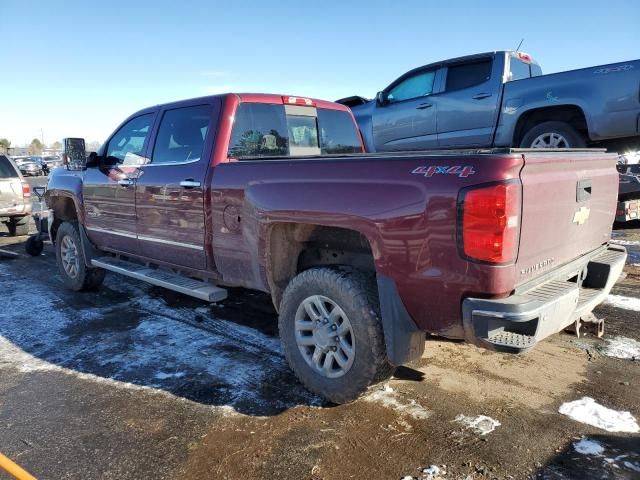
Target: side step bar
(172, 281)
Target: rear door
(468, 107)
(10, 188)
(109, 190)
(408, 120)
(170, 188)
(568, 204)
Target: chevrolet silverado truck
(501, 99)
(361, 253)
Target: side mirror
(93, 160)
(381, 99)
(74, 154)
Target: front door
(407, 121)
(109, 190)
(170, 188)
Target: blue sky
(74, 68)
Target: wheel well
(571, 114)
(64, 210)
(293, 248)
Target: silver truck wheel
(324, 336)
(71, 261)
(553, 135)
(331, 332)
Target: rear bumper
(517, 323)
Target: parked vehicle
(361, 253)
(501, 99)
(31, 167)
(50, 162)
(629, 191)
(15, 198)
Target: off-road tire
(33, 246)
(86, 278)
(18, 227)
(356, 293)
(574, 138)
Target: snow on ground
(124, 335)
(586, 410)
(622, 347)
(480, 424)
(625, 242)
(586, 446)
(620, 301)
(388, 397)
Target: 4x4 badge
(461, 171)
(582, 215)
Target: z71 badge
(460, 171)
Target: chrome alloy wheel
(550, 140)
(324, 336)
(69, 254)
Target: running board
(172, 281)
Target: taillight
(490, 222)
(26, 191)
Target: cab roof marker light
(525, 57)
(306, 102)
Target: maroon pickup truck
(361, 253)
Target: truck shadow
(601, 456)
(137, 335)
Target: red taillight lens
(491, 223)
(305, 102)
(26, 191)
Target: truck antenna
(519, 45)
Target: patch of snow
(622, 347)
(586, 446)
(632, 466)
(480, 424)
(624, 242)
(408, 477)
(388, 398)
(586, 410)
(164, 376)
(620, 301)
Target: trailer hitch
(588, 321)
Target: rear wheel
(18, 226)
(71, 262)
(331, 332)
(553, 135)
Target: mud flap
(403, 340)
(89, 250)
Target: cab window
(416, 86)
(259, 130)
(181, 135)
(127, 143)
(466, 75)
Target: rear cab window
(263, 130)
(521, 65)
(6, 168)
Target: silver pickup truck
(501, 99)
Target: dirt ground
(137, 382)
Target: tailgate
(10, 193)
(568, 207)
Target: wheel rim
(324, 336)
(550, 140)
(69, 255)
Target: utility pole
(42, 137)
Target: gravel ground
(137, 382)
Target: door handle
(189, 183)
(125, 182)
(480, 96)
(422, 106)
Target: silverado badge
(582, 215)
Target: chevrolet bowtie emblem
(581, 215)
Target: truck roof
(466, 58)
(251, 98)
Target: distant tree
(56, 146)
(4, 144)
(35, 147)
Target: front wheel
(71, 261)
(331, 332)
(553, 135)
